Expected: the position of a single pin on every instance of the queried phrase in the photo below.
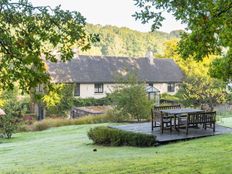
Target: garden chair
(161, 120)
(207, 108)
(204, 118)
(165, 122)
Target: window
(98, 88)
(150, 84)
(171, 87)
(77, 89)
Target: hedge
(113, 137)
(79, 102)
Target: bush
(79, 102)
(28, 119)
(8, 125)
(40, 126)
(114, 137)
(116, 116)
(167, 96)
(132, 101)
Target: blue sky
(110, 12)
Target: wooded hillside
(115, 41)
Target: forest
(116, 41)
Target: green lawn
(68, 150)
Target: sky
(110, 12)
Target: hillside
(123, 41)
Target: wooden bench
(158, 119)
(204, 118)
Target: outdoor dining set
(173, 117)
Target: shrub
(167, 96)
(116, 116)
(40, 126)
(8, 125)
(28, 119)
(132, 101)
(79, 102)
(114, 137)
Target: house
(95, 76)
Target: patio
(174, 135)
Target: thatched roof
(93, 69)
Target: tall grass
(58, 122)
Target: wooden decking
(174, 136)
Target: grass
(224, 118)
(67, 150)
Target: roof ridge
(103, 56)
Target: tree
(197, 90)
(221, 68)
(117, 41)
(131, 99)
(190, 67)
(198, 87)
(29, 33)
(208, 21)
(59, 101)
(8, 125)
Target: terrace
(174, 135)
(173, 123)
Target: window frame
(98, 88)
(171, 87)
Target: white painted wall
(163, 88)
(87, 90)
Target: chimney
(75, 52)
(150, 57)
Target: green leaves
(59, 100)
(208, 22)
(29, 36)
(221, 68)
(131, 100)
(197, 90)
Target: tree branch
(224, 11)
